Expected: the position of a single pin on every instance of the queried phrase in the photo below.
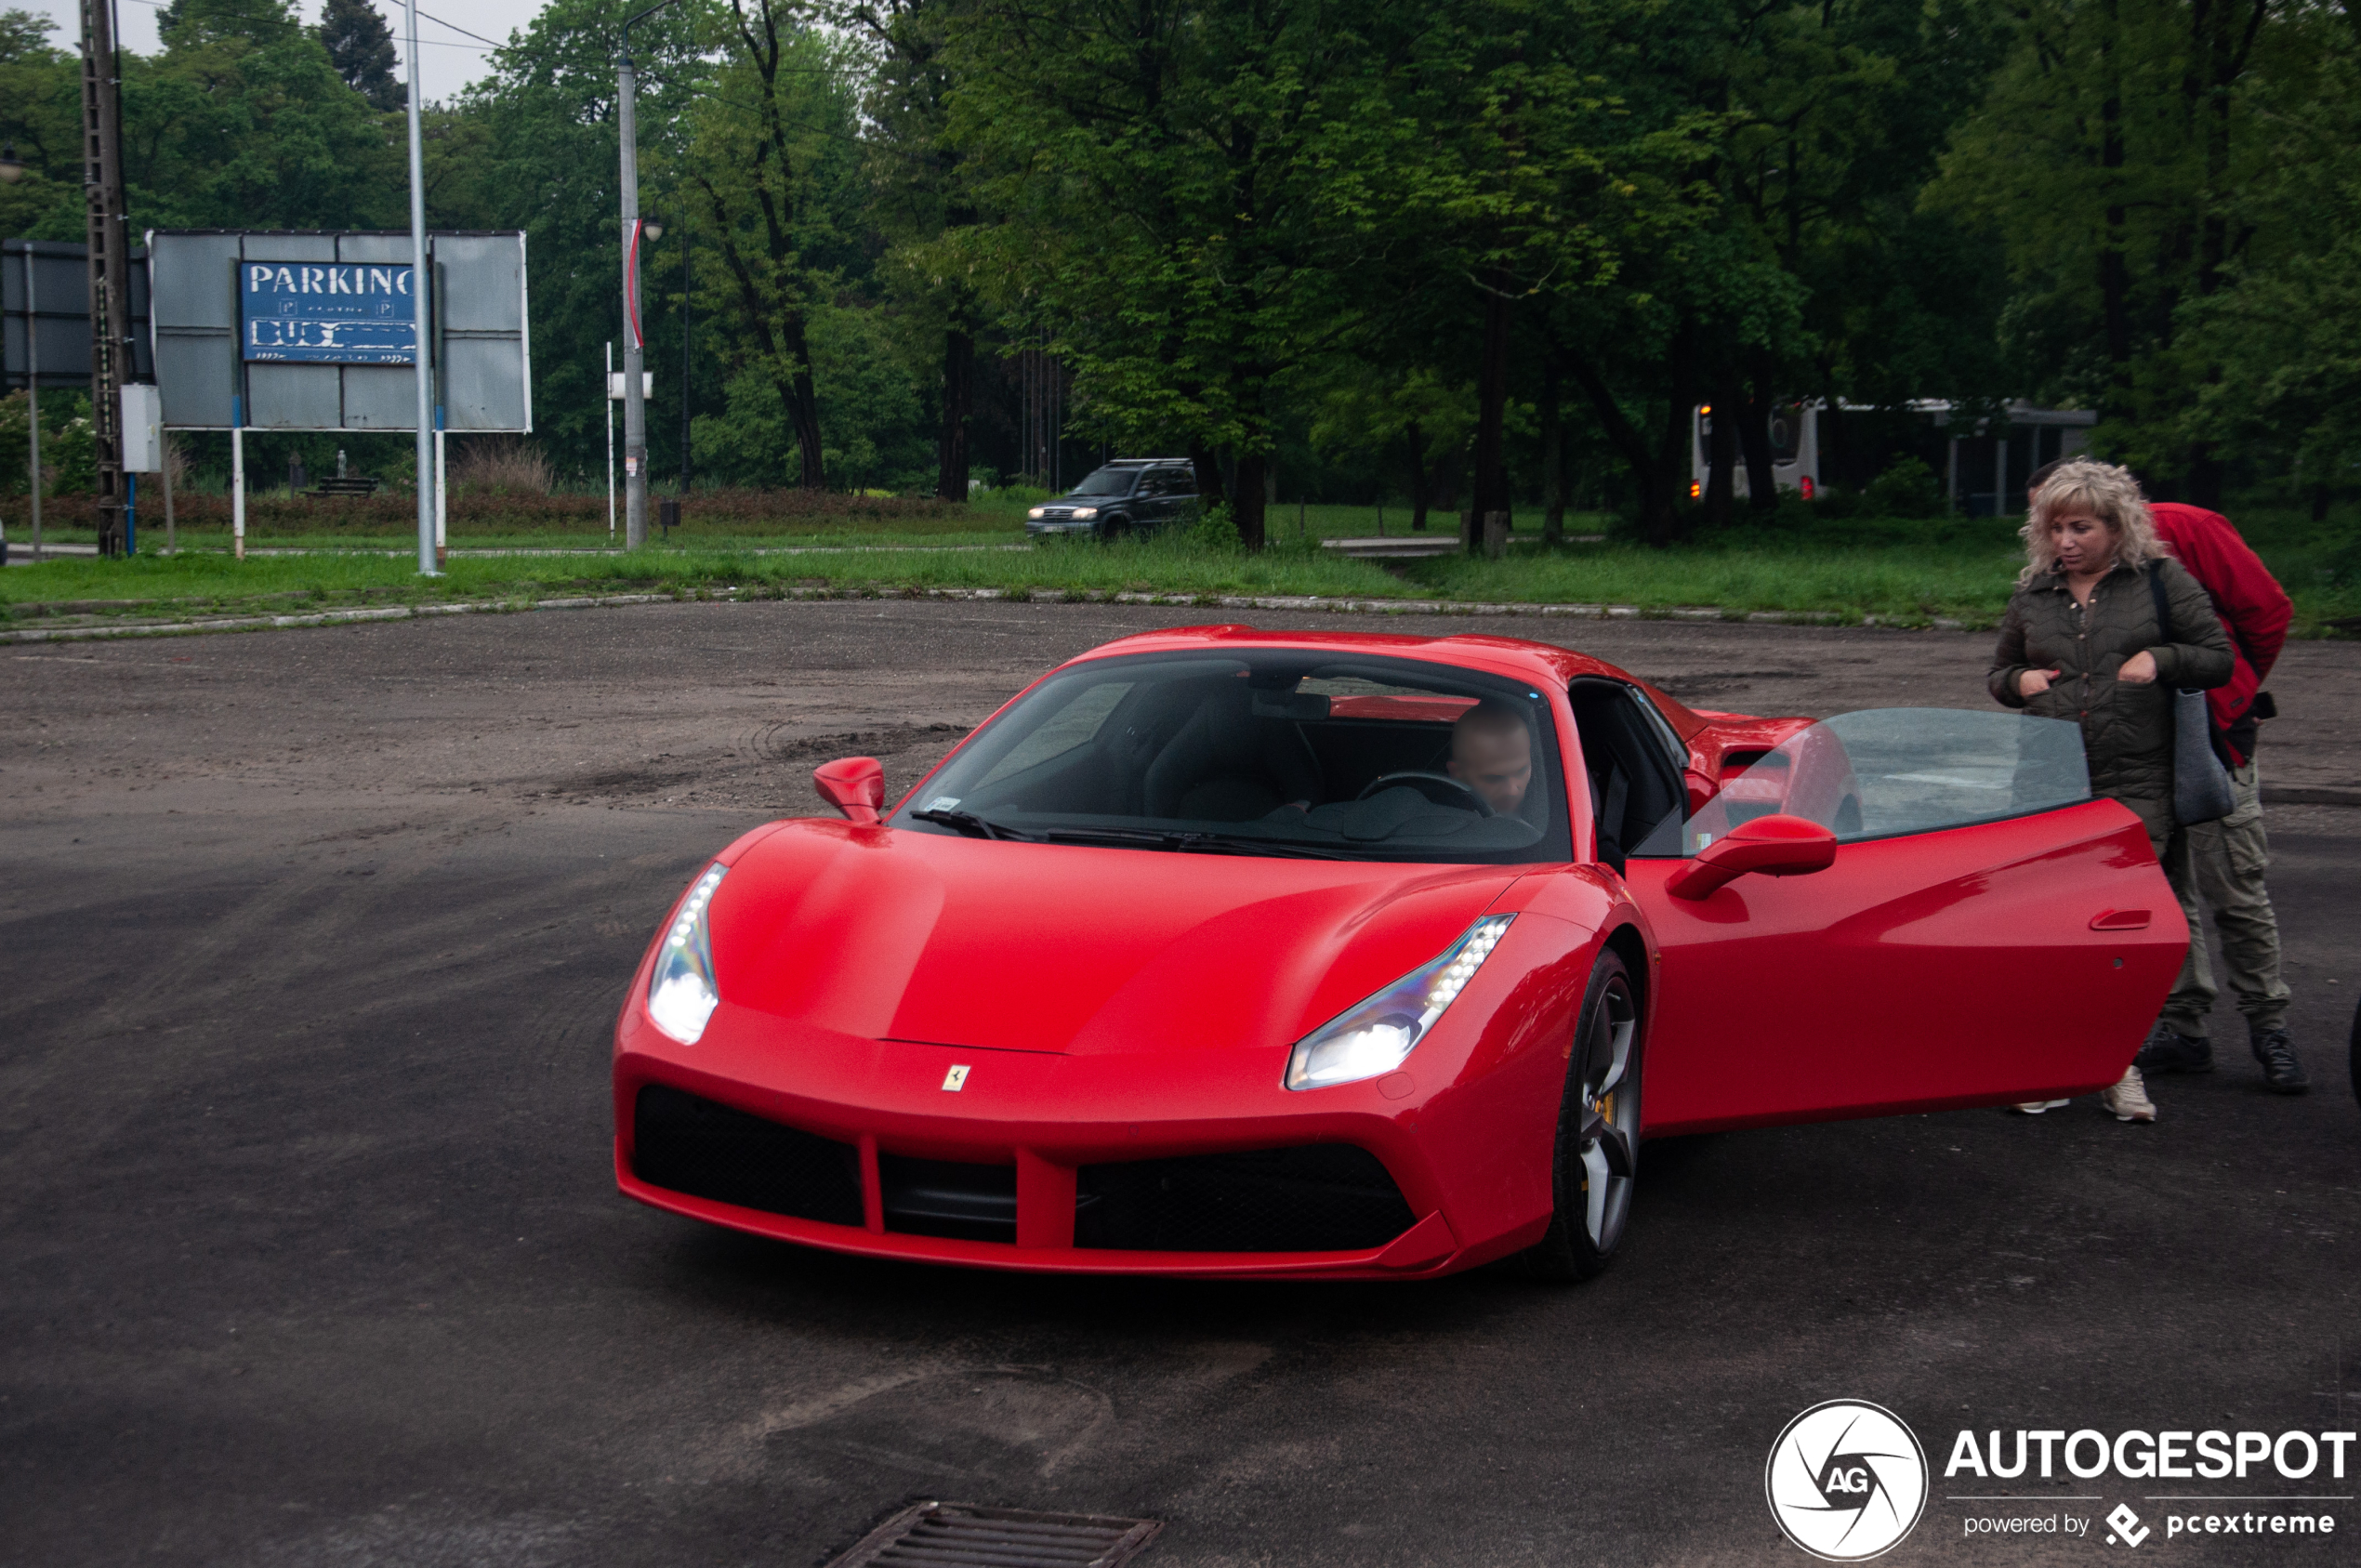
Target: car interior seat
(1228, 764)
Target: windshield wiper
(1186, 841)
(969, 824)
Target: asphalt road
(309, 1251)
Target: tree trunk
(1553, 456)
(1491, 491)
(1836, 445)
(2115, 278)
(803, 406)
(1248, 499)
(1722, 453)
(959, 398)
(1754, 437)
(1208, 467)
(1418, 486)
(1654, 472)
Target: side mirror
(1777, 844)
(854, 785)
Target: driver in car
(1492, 754)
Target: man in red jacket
(2224, 861)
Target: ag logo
(1846, 1481)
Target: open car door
(1987, 931)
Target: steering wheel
(1441, 788)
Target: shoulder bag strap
(2164, 606)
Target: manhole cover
(959, 1536)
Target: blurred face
(2084, 543)
(1495, 761)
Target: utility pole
(109, 246)
(421, 291)
(635, 405)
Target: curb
(1303, 603)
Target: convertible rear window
(1887, 772)
(1276, 752)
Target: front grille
(1317, 1197)
(694, 1145)
(947, 1198)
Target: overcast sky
(448, 59)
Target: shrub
(1907, 488)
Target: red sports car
(1268, 953)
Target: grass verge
(1964, 575)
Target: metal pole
(420, 279)
(238, 479)
(606, 395)
(635, 411)
(33, 390)
(687, 282)
(171, 534)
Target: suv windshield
(1107, 481)
(1273, 752)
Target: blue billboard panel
(339, 312)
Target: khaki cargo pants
(2224, 862)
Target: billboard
(277, 331)
(331, 313)
(44, 313)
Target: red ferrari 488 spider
(1348, 955)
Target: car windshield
(1886, 772)
(1107, 481)
(1273, 752)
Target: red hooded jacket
(2254, 610)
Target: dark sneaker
(2280, 1069)
(2168, 1050)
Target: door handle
(2121, 921)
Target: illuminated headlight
(1377, 1036)
(1086, 511)
(1036, 511)
(682, 994)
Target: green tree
(360, 46)
(40, 113)
(771, 170)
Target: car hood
(996, 946)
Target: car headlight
(682, 994)
(1036, 511)
(1377, 1036)
(1086, 511)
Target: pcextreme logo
(1846, 1481)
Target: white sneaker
(2128, 1102)
(2035, 1107)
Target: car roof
(1145, 463)
(1512, 656)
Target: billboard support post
(238, 485)
(420, 279)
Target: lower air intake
(693, 1145)
(1318, 1197)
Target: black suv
(1129, 496)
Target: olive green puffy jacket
(2127, 729)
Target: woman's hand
(2138, 670)
(2033, 682)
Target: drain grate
(960, 1535)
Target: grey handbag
(2200, 784)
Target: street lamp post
(635, 406)
(419, 292)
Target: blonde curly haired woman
(2082, 641)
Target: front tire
(1595, 1157)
